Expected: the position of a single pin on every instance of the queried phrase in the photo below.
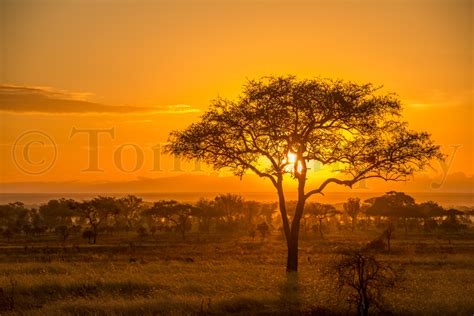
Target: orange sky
(160, 62)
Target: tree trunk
(284, 216)
(366, 305)
(292, 260)
(292, 233)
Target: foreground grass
(233, 276)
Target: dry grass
(227, 276)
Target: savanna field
(205, 158)
(213, 274)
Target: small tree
(321, 212)
(231, 205)
(206, 212)
(388, 234)
(130, 209)
(177, 213)
(352, 208)
(362, 279)
(452, 223)
(267, 210)
(14, 217)
(251, 211)
(96, 212)
(57, 213)
(429, 211)
(394, 205)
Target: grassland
(213, 275)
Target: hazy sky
(65, 63)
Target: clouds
(438, 98)
(46, 100)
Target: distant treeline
(226, 213)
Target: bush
(362, 279)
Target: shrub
(362, 279)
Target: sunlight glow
(291, 158)
(290, 161)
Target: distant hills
(457, 182)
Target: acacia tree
(175, 212)
(206, 212)
(130, 206)
(362, 280)
(321, 212)
(279, 125)
(394, 205)
(96, 212)
(428, 211)
(352, 208)
(231, 205)
(57, 213)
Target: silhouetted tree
(231, 205)
(175, 212)
(130, 209)
(96, 212)
(352, 208)
(206, 213)
(451, 223)
(428, 211)
(362, 279)
(57, 213)
(280, 124)
(391, 204)
(14, 217)
(388, 234)
(321, 212)
(398, 205)
(394, 205)
(36, 222)
(267, 210)
(252, 210)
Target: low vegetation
(231, 259)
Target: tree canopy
(399, 204)
(175, 212)
(328, 121)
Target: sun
(291, 157)
(291, 160)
